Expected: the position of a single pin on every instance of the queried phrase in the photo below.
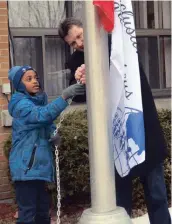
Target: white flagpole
(103, 198)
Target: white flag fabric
(127, 111)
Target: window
(155, 55)
(77, 9)
(55, 58)
(152, 14)
(35, 41)
(39, 14)
(28, 50)
(44, 51)
(153, 24)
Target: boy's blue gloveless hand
(73, 90)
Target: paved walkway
(139, 220)
(144, 219)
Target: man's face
(75, 38)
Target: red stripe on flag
(106, 13)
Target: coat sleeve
(40, 115)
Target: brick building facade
(5, 187)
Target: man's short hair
(66, 25)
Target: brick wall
(5, 187)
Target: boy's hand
(73, 90)
(55, 139)
(80, 74)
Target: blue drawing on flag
(128, 137)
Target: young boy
(31, 159)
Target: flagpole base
(118, 216)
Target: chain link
(57, 164)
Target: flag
(127, 110)
(106, 13)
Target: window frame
(42, 33)
(162, 92)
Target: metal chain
(57, 165)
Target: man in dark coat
(151, 171)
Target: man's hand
(80, 74)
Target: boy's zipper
(31, 159)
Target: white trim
(156, 16)
(143, 14)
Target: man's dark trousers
(155, 195)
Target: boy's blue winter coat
(31, 155)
